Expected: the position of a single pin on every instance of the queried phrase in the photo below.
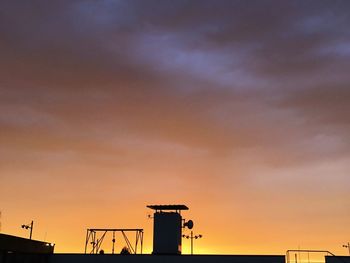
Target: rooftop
(168, 207)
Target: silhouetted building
(167, 229)
(13, 244)
(168, 225)
(22, 250)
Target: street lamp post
(348, 247)
(192, 237)
(29, 226)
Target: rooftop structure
(167, 229)
(11, 244)
(168, 207)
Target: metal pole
(93, 242)
(113, 240)
(141, 241)
(191, 242)
(31, 229)
(348, 247)
(86, 240)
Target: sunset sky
(238, 109)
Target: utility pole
(31, 229)
(348, 247)
(191, 242)
(191, 236)
(29, 226)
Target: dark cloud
(216, 75)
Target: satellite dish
(189, 224)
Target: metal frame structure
(324, 252)
(96, 241)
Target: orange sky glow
(239, 110)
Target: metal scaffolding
(94, 239)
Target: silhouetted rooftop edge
(168, 207)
